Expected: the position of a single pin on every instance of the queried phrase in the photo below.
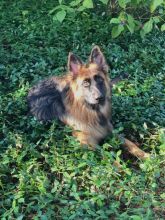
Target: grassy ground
(44, 174)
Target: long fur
(65, 98)
(55, 98)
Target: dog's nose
(97, 95)
(100, 98)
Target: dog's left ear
(98, 58)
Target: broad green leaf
(60, 2)
(52, 10)
(20, 217)
(60, 15)
(116, 31)
(147, 28)
(62, 8)
(162, 195)
(161, 11)
(155, 4)
(88, 4)
(156, 19)
(59, 7)
(135, 217)
(118, 153)
(123, 3)
(83, 164)
(142, 33)
(163, 27)
(162, 133)
(44, 217)
(75, 3)
(131, 23)
(122, 16)
(21, 200)
(81, 8)
(114, 21)
(25, 12)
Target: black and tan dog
(80, 99)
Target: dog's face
(90, 82)
(91, 85)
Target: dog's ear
(74, 63)
(98, 58)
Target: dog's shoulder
(46, 99)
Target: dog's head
(90, 81)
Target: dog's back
(46, 101)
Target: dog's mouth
(101, 101)
(95, 105)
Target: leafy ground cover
(44, 173)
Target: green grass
(44, 173)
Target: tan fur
(70, 106)
(79, 117)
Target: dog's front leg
(85, 138)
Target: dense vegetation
(44, 173)
(124, 15)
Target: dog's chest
(95, 124)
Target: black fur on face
(94, 91)
(100, 84)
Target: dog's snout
(96, 95)
(99, 98)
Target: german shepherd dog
(80, 99)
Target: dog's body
(80, 99)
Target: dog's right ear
(74, 64)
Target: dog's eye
(86, 83)
(98, 79)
